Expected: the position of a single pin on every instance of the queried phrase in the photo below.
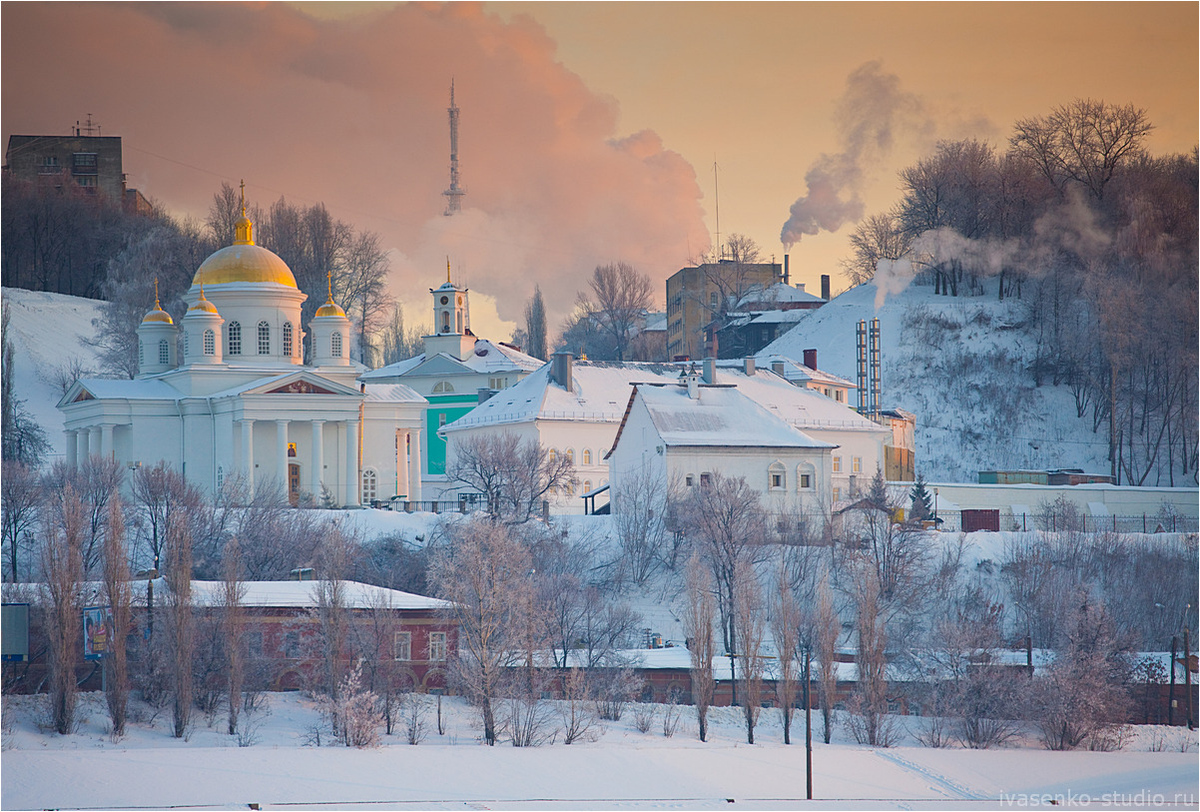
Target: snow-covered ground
(961, 365)
(48, 331)
(621, 769)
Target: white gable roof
(299, 594)
(720, 416)
(487, 358)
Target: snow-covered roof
(106, 388)
(656, 321)
(300, 594)
(719, 416)
(392, 393)
(796, 372)
(487, 357)
(780, 293)
(601, 390)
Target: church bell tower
(451, 321)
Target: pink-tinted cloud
(353, 113)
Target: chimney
(693, 382)
(749, 361)
(560, 369)
(800, 286)
(786, 272)
(484, 394)
(777, 368)
(710, 370)
(810, 359)
(825, 286)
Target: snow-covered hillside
(48, 331)
(960, 364)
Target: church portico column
(106, 441)
(81, 446)
(248, 455)
(351, 462)
(94, 441)
(72, 447)
(414, 466)
(281, 453)
(318, 458)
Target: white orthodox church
(242, 402)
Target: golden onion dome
(244, 263)
(157, 316)
(330, 309)
(203, 305)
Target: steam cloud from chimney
(870, 111)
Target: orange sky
(589, 130)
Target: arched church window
(220, 477)
(210, 342)
(445, 321)
(287, 339)
(370, 485)
(460, 321)
(264, 338)
(234, 331)
(587, 457)
(335, 345)
(441, 387)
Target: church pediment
(82, 396)
(298, 383)
(300, 387)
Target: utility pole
(807, 723)
(1187, 676)
(1171, 690)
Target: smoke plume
(870, 112)
(352, 112)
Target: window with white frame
(570, 455)
(551, 456)
(856, 465)
(689, 480)
(587, 486)
(776, 477)
(705, 479)
(402, 646)
(837, 494)
(437, 646)
(287, 339)
(233, 334)
(210, 342)
(837, 465)
(264, 338)
(442, 387)
(164, 352)
(587, 456)
(335, 345)
(370, 485)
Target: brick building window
(402, 646)
(437, 646)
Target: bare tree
(875, 238)
(868, 706)
(750, 622)
(180, 619)
(513, 475)
(535, 326)
(1083, 142)
(640, 523)
(827, 629)
(698, 622)
(725, 518)
(62, 565)
(333, 613)
(400, 342)
(21, 438)
(786, 619)
(119, 595)
(21, 493)
(364, 289)
(95, 481)
(622, 296)
(485, 574)
(233, 595)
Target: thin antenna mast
(454, 193)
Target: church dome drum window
(335, 345)
(210, 342)
(264, 338)
(287, 339)
(234, 331)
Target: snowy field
(623, 769)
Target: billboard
(14, 633)
(97, 630)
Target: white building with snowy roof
(688, 431)
(242, 402)
(450, 374)
(575, 408)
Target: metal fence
(951, 520)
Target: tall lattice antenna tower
(455, 192)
